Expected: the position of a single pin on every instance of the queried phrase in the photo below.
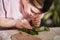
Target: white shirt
(12, 8)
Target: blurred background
(52, 17)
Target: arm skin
(5, 22)
(33, 16)
(24, 23)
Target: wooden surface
(53, 34)
(24, 36)
(45, 35)
(16, 35)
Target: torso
(10, 9)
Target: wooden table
(16, 35)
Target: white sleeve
(2, 13)
(16, 9)
(12, 7)
(7, 4)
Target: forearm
(25, 2)
(5, 22)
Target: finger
(19, 26)
(36, 22)
(26, 24)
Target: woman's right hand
(23, 24)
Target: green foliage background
(52, 17)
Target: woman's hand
(36, 21)
(34, 16)
(30, 12)
(23, 24)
